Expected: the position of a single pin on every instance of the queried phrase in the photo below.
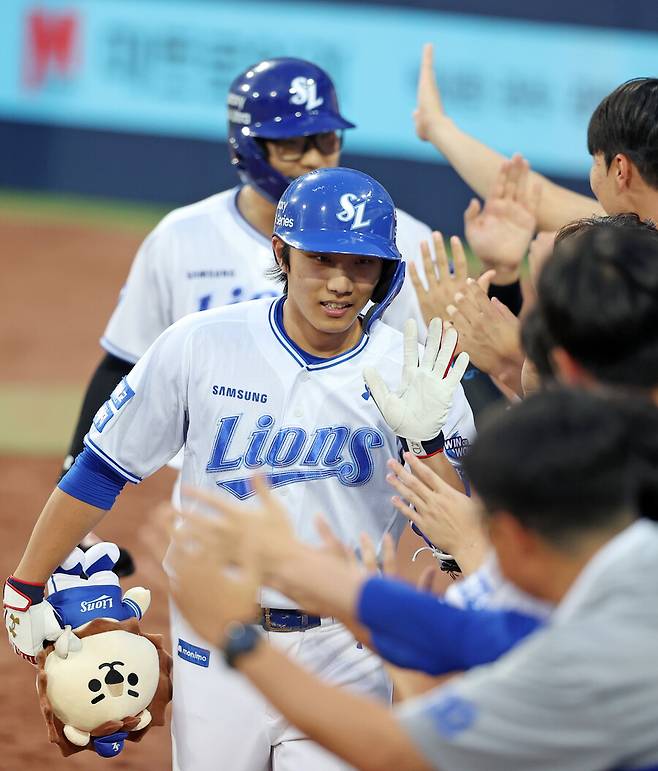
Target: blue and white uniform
(230, 388)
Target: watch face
(240, 639)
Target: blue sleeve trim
(417, 630)
(91, 480)
(89, 443)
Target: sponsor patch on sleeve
(193, 654)
(456, 446)
(102, 417)
(122, 393)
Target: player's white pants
(222, 723)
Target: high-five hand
(418, 411)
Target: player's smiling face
(326, 293)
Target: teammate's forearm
(320, 583)
(477, 164)
(62, 524)
(359, 730)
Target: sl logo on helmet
(305, 91)
(352, 213)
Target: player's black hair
(276, 273)
(622, 220)
(597, 297)
(626, 122)
(537, 345)
(567, 462)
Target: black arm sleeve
(508, 294)
(107, 375)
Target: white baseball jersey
(207, 255)
(229, 387)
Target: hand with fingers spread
(441, 282)
(499, 233)
(324, 581)
(263, 527)
(366, 557)
(418, 411)
(372, 562)
(448, 518)
(198, 570)
(489, 332)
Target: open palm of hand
(501, 232)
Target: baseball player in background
(275, 384)
(283, 121)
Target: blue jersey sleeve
(92, 480)
(417, 630)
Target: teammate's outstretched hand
(442, 283)
(447, 517)
(263, 527)
(418, 411)
(429, 112)
(489, 332)
(499, 233)
(210, 588)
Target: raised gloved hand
(418, 411)
(30, 620)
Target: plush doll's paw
(75, 736)
(144, 720)
(140, 597)
(102, 556)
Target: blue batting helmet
(276, 99)
(344, 211)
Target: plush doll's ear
(75, 736)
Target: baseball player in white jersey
(284, 121)
(274, 384)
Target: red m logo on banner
(50, 41)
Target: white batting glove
(418, 411)
(30, 620)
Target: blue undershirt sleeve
(92, 481)
(417, 630)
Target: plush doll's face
(114, 676)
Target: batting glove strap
(424, 449)
(22, 595)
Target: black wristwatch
(240, 639)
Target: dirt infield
(59, 285)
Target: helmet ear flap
(381, 290)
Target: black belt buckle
(283, 620)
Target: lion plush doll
(103, 681)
